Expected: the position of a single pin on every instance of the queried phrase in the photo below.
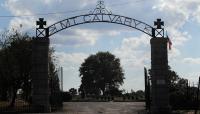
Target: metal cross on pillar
(158, 31)
(41, 23)
(158, 23)
(41, 31)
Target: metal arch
(107, 18)
(100, 14)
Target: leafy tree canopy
(73, 91)
(15, 66)
(101, 73)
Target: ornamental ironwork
(159, 31)
(100, 14)
(41, 31)
(100, 8)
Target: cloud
(134, 51)
(70, 63)
(76, 37)
(18, 8)
(176, 13)
(168, 8)
(197, 14)
(79, 36)
(69, 60)
(191, 60)
(173, 53)
(179, 9)
(178, 38)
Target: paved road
(102, 108)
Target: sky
(73, 45)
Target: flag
(169, 43)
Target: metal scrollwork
(100, 8)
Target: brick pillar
(159, 66)
(40, 81)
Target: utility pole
(61, 81)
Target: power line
(127, 3)
(66, 12)
(39, 14)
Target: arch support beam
(159, 67)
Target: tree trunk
(12, 104)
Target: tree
(53, 75)
(56, 96)
(73, 91)
(172, 78)
(140, 94)
(100, 73)
(81, 91)
(180, 94)
(15, 63)
(15, 66)
(114, 92)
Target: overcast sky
(73, 45)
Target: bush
(56, 100)
(67, 97)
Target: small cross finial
(100, 8)
(158, 23)
(101, 2)
(41, 23)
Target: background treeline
(75, 95)
(15, 69)
(101, 77)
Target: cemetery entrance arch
(159, 55)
